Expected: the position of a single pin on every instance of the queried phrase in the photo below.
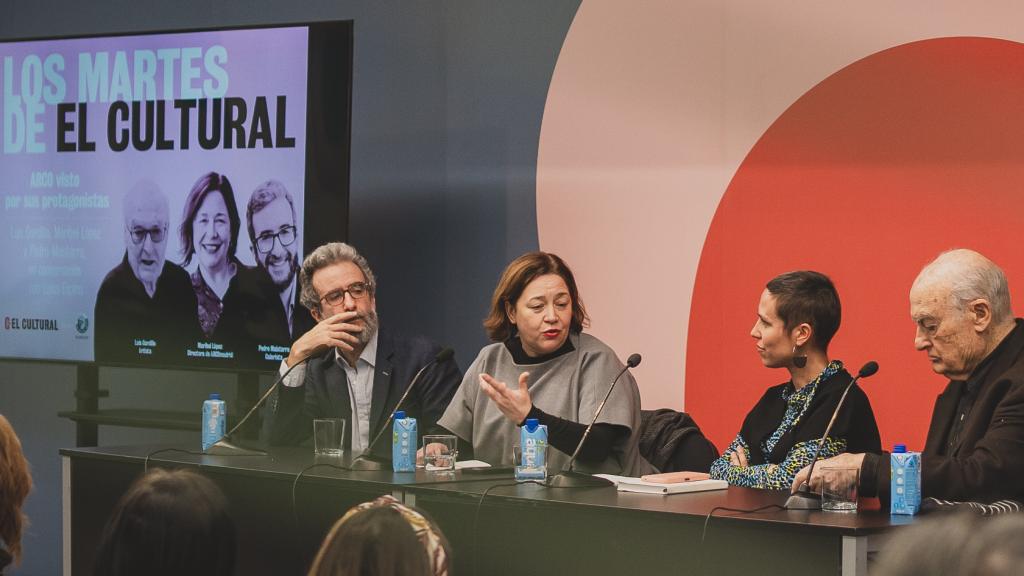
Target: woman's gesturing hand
(514, 403)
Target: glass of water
(440, 452)
(328, 436)
(839, 489)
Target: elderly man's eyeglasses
(265, 242)
(138, 234)
(356, 291)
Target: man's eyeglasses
(138, 235)
(265, 242)
(356, 291)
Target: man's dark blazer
(302, 319)
(270, 326)
(324, 393)
(987, 463)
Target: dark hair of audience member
(996, 548)
(377, 540)
(168, 523)
(955, 544)
(15, 484)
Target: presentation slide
(153, 190)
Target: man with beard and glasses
(273, 233)
(354, 371)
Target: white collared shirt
(359, 380)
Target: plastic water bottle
(905, 483)
(404, 443)
(533, 443)
(215, 417)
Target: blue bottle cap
(400, 415)
(899, 449)
(531, 425)
(215, 396)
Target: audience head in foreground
(962, 544)
(168, 523)
(15, 483)
(385, 538)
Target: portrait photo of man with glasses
(274, 236)
(145, 307)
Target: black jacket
(987, 463)
(855, 422)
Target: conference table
(283, 504)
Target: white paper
(630, 484)
(462, 464)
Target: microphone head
(444, 355)
(868, 369)
(633, 361)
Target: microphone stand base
(573, 479)
(223, 447)
(370, 463)
(803, 500)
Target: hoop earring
(799, 360)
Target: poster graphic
(152, 197)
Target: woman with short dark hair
(169, 523)
(797, 316)
(542, 365)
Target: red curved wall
(866, 177)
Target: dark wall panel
(446, 109)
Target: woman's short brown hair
(15, 484)
(517, 275)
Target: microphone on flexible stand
(224, 447)
(569, 478)
(368, 460)
(804, 498)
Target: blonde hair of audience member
(384, 538)
(169, 523)
(955, 544)
(15, 484)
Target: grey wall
(447, 104)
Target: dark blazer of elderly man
(960, 303)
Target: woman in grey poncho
(541, 365)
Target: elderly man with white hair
(145, 307)
(960, 303)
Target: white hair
(969, 276)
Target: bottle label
(533, 457)
(905, 486)
(403, 445)
(214, 422)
